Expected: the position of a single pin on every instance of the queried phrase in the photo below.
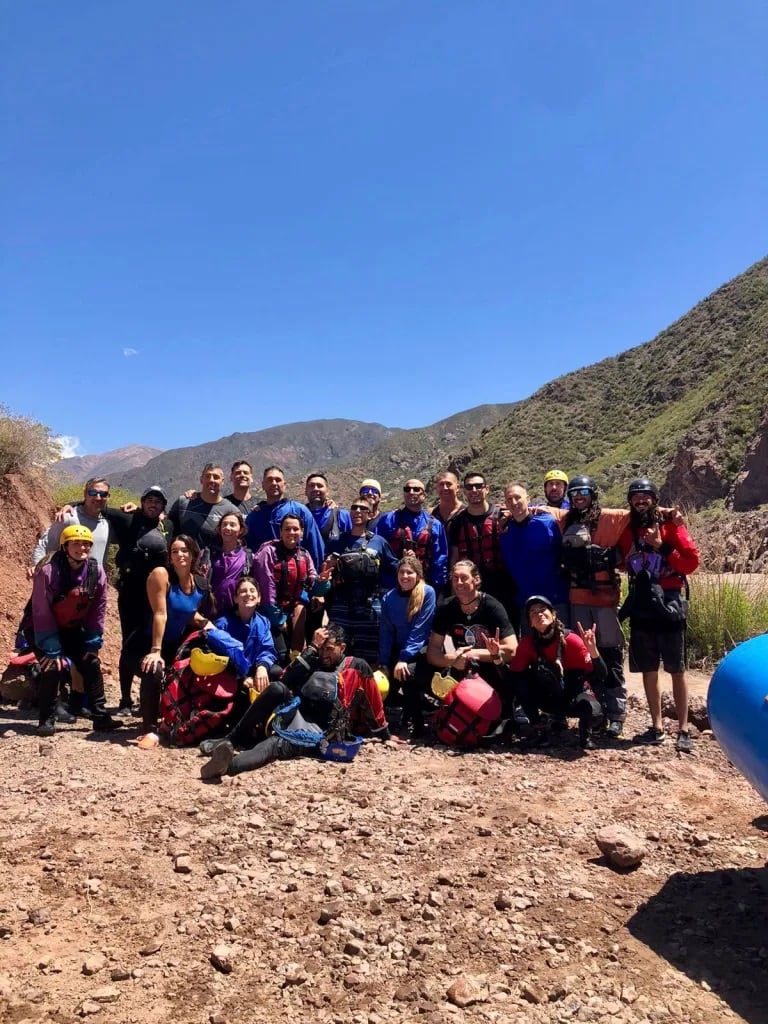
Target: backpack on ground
(192, 706)
(469, 712)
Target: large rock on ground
(620, 846)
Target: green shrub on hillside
(724, 612)
(25, 444)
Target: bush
(724, 611)
(25, 444)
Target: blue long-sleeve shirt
(248, 644)
(264, 524)
(531, 553)
(437, 544)
(396, 632)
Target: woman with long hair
(229, 563)
(175, 596)
(406, 619)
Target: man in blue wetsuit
(530, 547)
(263, 523)
(413, 530)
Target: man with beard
(475, 534)
(359, 708)
(331, 520)
(142, 544)
(658, 554)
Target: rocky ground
(415, 883)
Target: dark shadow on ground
(712, 926)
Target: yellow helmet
(75, 532)
(556, 474)
(205, 663)
(382, 682)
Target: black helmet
(537, 599)
(642, 485)
(580, 482)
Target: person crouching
(555, 669)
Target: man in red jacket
(657, 554)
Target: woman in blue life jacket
(175, 596)
(230, 563)
(406, 620)
(355, 563)
(244, 635)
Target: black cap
(155, 489)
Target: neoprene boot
(47, 691)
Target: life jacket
(469, 712)
(205, 562)
(316, 716)
(588, 566)
(402, 539)
(647, 603)
(480, 546)
(359, 568)
(332, 528)
(291, 572)
(192, 706)
(70, 606)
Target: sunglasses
(583, 491)
(412, 490)
(97, 494)
(368, 490)
(474, 487)
(359, 508)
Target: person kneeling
(555, 668)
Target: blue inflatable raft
(738, 709)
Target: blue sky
(222, 217)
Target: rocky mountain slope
(120, 460)
(688, 408)
(350, 448)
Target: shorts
(649, 648)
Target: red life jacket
(291, 572)
(402, 539)
(70, 607)
(469, 712)
(480, 546)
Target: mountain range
(689, 408)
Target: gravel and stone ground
(413, 884)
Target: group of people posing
(301, 597)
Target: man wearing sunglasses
(90, 513)
(412, 530)
(474, 534)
